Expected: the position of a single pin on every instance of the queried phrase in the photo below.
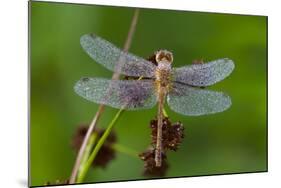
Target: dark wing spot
(85, 79)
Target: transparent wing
(204, 74)
(115, 59)
(193, 101)
(128, 94)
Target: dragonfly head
(164, 56)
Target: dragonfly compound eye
(169, 56)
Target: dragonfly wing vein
(127, 94)
(114, 59)
(193, 101)
(204, 74)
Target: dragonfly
(180, 87)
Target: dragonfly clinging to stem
(179, 85)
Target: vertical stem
(101, 107)
(158, 151)
(132, 29)
(128, 42)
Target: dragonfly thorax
(164, 59)
(163, 74)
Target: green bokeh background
(230, 142)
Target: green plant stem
(87, 152)
(101, 141)
(122, 149)
(165, 113)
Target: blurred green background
(230, 142)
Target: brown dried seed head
(150, 168)
(172, 134)
(106, 153)
(78, 137)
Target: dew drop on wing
(114, 59)
(131, 94)
(189, 100)
(204, 74)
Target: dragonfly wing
(204, 74)
(114, 59)
(193, 101)
(127, 94)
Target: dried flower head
(106, 153)
(150, 168)
(172, 134)
(78, 137)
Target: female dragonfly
(181, 86)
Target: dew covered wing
(114, 59)
(193, 101)
(205, 74)
(127, 94)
